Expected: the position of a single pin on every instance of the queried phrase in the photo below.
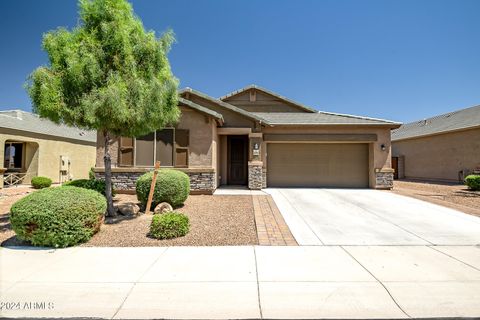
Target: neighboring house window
(169, 146)
(13, 155)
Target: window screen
(126, 151)
(165, 147)
(144, 150)
(182, 140)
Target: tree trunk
(108, 176)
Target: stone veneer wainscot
(202, 180)
(384, 178)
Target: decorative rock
(384, 180)
(255, 176)
(127, 209)
(163, 208)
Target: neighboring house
(445, 147)
(256, 138)
(38, 147)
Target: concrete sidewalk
(242, 282)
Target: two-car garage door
(339, 165)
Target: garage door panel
(317, 165)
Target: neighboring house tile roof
(254, 86)
(202, 109)
(452, 121)
(222, 104)
(320, 118)
(29, 122)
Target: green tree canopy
(107, 74)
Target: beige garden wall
(42, 154)
(440, 157)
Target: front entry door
(237, 160)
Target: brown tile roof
(452, 121)
(320, 118)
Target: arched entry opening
(20, 162)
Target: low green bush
(58, 217)
(172, 186)
(473, 182)
(91, 174)
(169, 225)
(41, 182)
(92, 184)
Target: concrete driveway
(371, 217)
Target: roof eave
(200, 108)
(389, 125)
(224, 105)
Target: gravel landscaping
(455, 196)
(214, 221)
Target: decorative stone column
(384, 178)
(255, 175)
(256, 180)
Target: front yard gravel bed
(214, 221)
(455, 196)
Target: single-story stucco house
(38, 147)
(444, 147)
(257, 138)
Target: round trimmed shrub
(58, 217)
(80, 183)
(172, 186)
(92, 184)
(473, 182)
(41, 182)
(169, 225)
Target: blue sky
(400, 60)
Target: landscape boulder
(127, 209)
(163, 207)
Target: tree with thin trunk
(107, 74)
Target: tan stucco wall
(101, 149)
(201, 137)
(42, 154)
(440, 157)
(201, 148)
(378, 159)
